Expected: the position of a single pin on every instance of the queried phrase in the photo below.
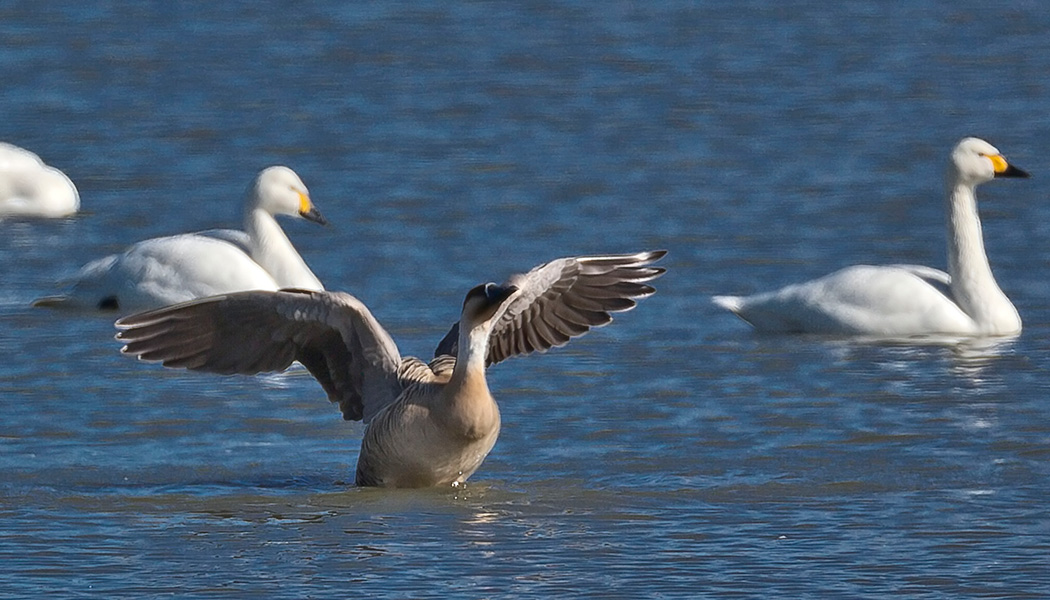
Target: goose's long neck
(470, 361)
(272, 249)
(469, 407)
(973, 285)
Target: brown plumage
(428, 424)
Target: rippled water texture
(674, 454)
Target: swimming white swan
(905, 300)
(30, 188)
(168, 270)
(428, 424)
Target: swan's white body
(30, 188)
(168, 270)
(905, 300)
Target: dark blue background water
(673, 454)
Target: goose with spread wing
(427, 424)
(905, 300)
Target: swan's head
(279, 191)
(975, 161)
(486, 303)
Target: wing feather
(332, 334)
(566, 298)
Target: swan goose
(427, 424)
(167, 270)
(905, 300)
(30, 188)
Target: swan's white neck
(973, 286)
(272, 249)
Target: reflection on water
(976, 356)
(906, 362)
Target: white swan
(428, 424)
(905, 300)
(168, 270)
(30, 188)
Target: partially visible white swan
(30, 188)
(905, 300)
(168, 270)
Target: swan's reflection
(969, 360)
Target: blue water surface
(674, 454)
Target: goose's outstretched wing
(332, 334)
(564, 299)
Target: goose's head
(279, 191)
(975, 161)
(485, 304)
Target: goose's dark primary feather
(564, 299)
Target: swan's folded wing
(332, 334)
(564, 299)
(240, 239)
(940, 280)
